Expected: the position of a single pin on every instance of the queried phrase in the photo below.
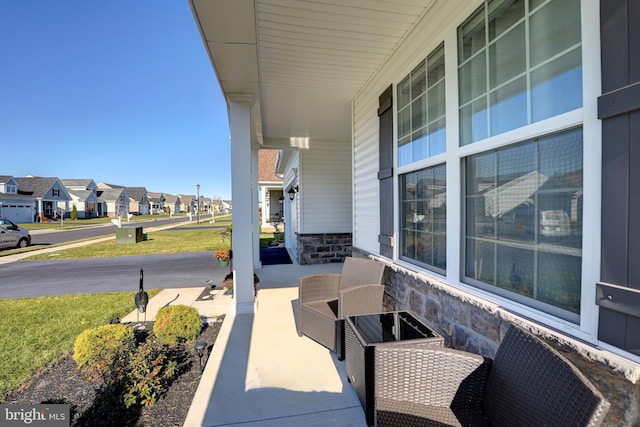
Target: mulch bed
(62, 383)
(208, 294)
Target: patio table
(364, 333)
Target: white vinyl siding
(324, 189)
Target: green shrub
(177, 323)
(102, 351)
(148, 374)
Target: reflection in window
(421, 110)
(519, 62)
(523, 230)
(423, 213)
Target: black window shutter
(385, 173)
(618, 294)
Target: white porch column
(256, 215)
(242, 195)
(263, 196)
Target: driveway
(96, 275)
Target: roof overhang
(301, 62)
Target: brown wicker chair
(527, 384)
(325, 300)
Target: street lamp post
(198, 204)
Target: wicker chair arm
(362, 299)
(430, 376)
(318, 287)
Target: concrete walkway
(260, 372)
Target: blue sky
(119, 91)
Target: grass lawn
(193, 238)
(37, 331)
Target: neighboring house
(270, 190)
(84, 196)
(189, 204)
(172, 201)
(156, 202)
(86, 203)
(420, 132)
(13, 206)
(138, 200)
(216, 206)
(208, 205)
(116, 201)
(224, 206)
(186, 203)
(51, 196)
(105, 185)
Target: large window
(524, 222)
(421, 110)
(519, 62)
(423, 213)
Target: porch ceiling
(302, 61)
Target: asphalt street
(95, 275)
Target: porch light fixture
(292, 192)
(299, 142)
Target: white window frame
(586, 117)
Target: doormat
(274, 256)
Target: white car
(554, 223)
(12, 236)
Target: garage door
(17, 213)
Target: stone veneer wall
(469, 325)
(323, 248)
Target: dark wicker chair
(528, 383)
(325, 300)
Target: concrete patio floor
(260, 372)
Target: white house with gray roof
(13, 206)
(138, 200)
(116, 200)
(173, 202)
(156, 202)
(84, 196)
(50, 195)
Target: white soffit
(303, 60)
